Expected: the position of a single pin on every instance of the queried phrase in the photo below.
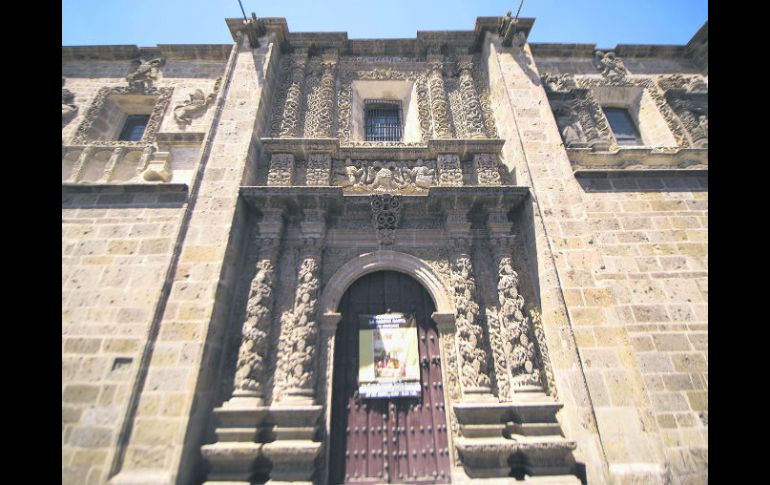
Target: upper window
(134, 127)
(383, 120)
(623, 126)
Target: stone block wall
(116, 249)
(630, 259)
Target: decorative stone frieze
(293, 100)
(438, 103)
(406, 177)
(281, 169)
(251, 368)
(474, 120)
(486, 168)
(474, 368)
(450, 172)
(319, 169)
(386, 214)
(196, 105)
(299, 328)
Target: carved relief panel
(406, 177)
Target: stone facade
(203, 265)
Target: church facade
(458, 258)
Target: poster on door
(389, 364)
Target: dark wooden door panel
(401, 440)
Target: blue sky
(603, 22)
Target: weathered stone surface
(567, 272)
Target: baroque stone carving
(196, 105)
(143, 73)
(580, 119)
(487, 172)
(515, 325)
(319, 167)
(537, 327)
(438, 103)
(281, 169)
(299, 327)
(610, 66)
(320, 102)
(554, 83)
(251, 364)
(293, 100)
(386, 214)
(68, 109)
(385, 176)
(474, 121)
(474, 365)
(82, 135)
(450, 173)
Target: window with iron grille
(623, 126)
(134, 127)
(383, 120)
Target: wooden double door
(387, 440)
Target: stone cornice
(638, 159)
(203, 52)
(331, 199)
(621, 50)
(301, 147)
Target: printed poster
(389, 363)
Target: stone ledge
(180, 138)
(80, 188)
(638, 159)
(302, 147)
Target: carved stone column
(321, 108)
(251, 367)
(281, 169)
(293, 103)
(515, 325)
(438, 104)
(486, 168)
(450, 172)
(319, 169)
(474, 118)
(299, 333)
(474, 361)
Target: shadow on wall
(643, 182)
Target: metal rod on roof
(244, 12)
(515, 20)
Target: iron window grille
(134, 127)
(383, 120)
(623, 126)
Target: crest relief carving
(195, 105)
(386, 214)
(404, 177)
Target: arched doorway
(387, 440)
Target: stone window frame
(163, 95)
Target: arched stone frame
(329, 317)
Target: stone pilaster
(487, 172)
(474, 365)
(117, 155)
(450, 172)
(321, 99)
(474, 118)
(250, 370)
(293, 104)
(319, 169)
(299, 333)
(281, 169)
(515, 325)
(438, 104)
